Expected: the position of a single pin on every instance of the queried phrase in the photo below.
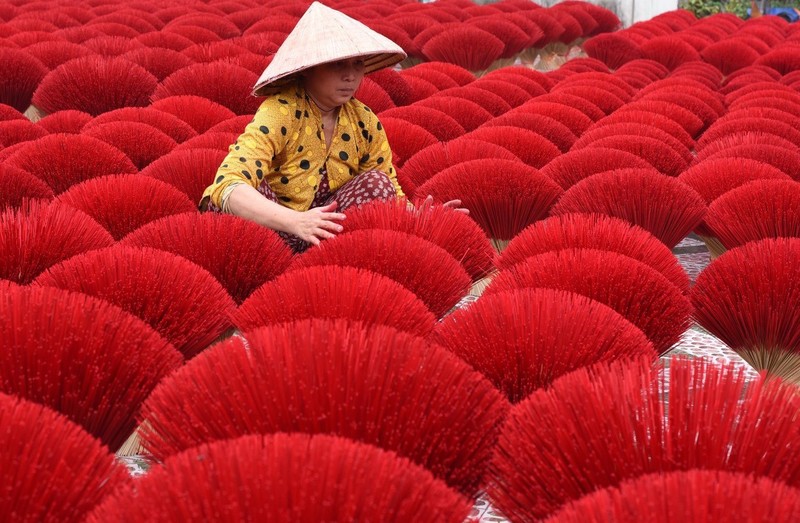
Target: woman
(311, 149)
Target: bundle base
(500, 63)
(34, 114)
(715, 247)
(776, 362)
(479, 286)
(132, 446)
(410, 61)
(528, 56)
(498, 244)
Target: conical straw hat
(325, 35)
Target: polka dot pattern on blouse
(284, 146)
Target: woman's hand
(456, 205)
(319, 223)
(452, 204)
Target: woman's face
(333, 84)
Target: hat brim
(324, 35)
(372, 63)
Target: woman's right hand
(317, 224)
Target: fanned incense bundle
(286, 478)
(610, 423)
(372, 384)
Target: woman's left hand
(452, 204)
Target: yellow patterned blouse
(285, 145)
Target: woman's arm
(247, 164)
(249, 159)
(247, 202)
(312, 225)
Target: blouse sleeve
(250, 157)
(380, 156)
